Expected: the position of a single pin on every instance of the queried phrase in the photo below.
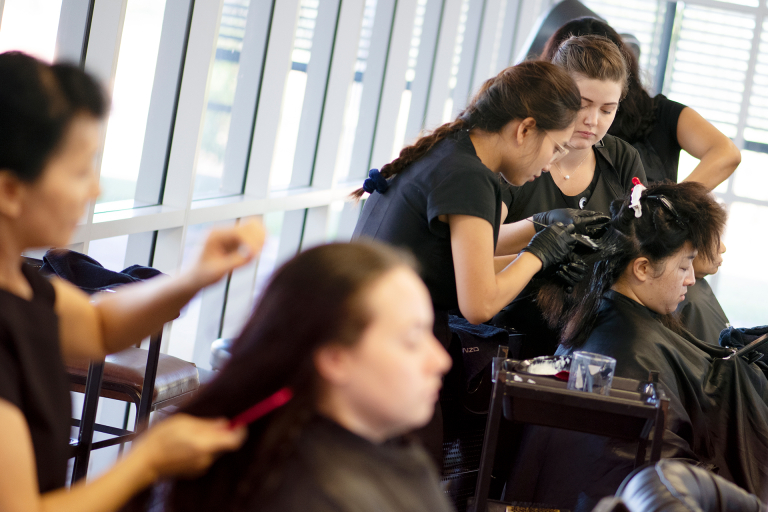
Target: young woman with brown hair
(656, 126)
(441, 198)
(597, 169)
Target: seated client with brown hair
(342, 341)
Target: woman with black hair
(718, 412)
(658, 127)
(343, 332)
(50, 121)
(441, 198)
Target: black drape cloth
(702, 314)
(673, 486)
(88, 274)
(718, 417)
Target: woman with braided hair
(441, 198)
(718, 412)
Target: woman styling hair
(658, 127)
(717, 416)
(50, 121)
(347, 328)
(597, 169)
(441, 197)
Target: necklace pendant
(567, 176)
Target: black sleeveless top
(33, 378)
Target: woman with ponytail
(718, 412)
(337, 361)
(441, 198)
(658, 127)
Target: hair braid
(421, 147)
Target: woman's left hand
(227, 249)
(586, 222)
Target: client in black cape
(718, 417)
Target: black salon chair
(560, 14)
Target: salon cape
(718, 417)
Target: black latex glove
(553, 244)
(586, 222)
(572, 272)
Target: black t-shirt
(617, 164)
(449, 180)
(660, 151)
(33, 378)
(702, 314)
(334, 470)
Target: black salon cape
(702, 314)
(717, 418)
(334, 470)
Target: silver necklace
(568, 176)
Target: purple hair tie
(375, 182)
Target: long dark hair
(689, 213)
(637, 111)
(37, 103)
(531, 89)
(315, 299)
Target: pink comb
(636, 181)
(269, 404)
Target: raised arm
(718, 155)
(117, 320)
(180, 445)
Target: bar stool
(148, 379)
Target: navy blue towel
(88, 274)
(479, 344)
(741, 337)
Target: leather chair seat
(124, 377)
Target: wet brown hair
(533, 89)
(637, 113)
(594, 57)
(695, 216)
